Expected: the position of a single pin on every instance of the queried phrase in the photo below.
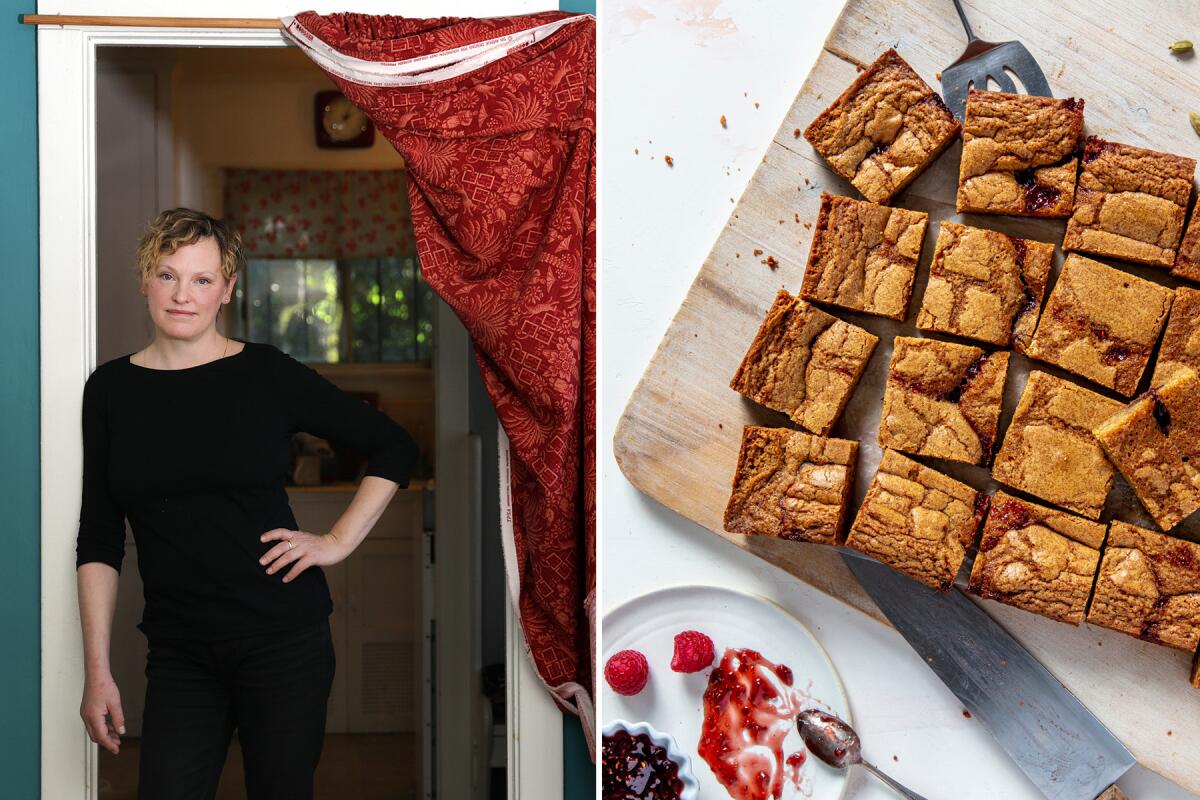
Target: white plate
(674, 702)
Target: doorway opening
(71, 207)
(231, 131)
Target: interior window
(332, 311)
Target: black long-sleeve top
(197, 460)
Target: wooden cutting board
(678, 438)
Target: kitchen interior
(261, 137)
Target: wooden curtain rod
(152, 22)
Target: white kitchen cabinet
(376, 622)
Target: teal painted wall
(20, 620)
(579, 773)
(578, 6)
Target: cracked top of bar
(985, 285)
(1037, 558)
(917, 520)
(864, 256)
(1155, 442)
(1049, 450)
(1101, 322)
(791, 485)
(884, 129)
(1020, 153)
(1181, 341)
(942, 400)
(1149, 586)
(804, 363)
(1130, 203)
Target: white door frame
(67, 208)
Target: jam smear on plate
(750, 706)
(635, 767)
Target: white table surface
(669, 69)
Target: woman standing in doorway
(189, 439)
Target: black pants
(273, 689)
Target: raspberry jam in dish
(635, 767)
(750, 706)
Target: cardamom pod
(1195, 120)
(1180, 47)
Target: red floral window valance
(320, 213)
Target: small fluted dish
(691, 787)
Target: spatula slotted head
(983, 60)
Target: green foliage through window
(336, 311)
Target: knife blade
(1064, 750)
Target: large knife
(1055, 740)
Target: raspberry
(693, 652)
(627, 672)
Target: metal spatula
(982, 60)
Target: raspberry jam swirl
(750, 706)
(635, 767)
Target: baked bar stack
(884, 129)
(791, 485)
(985, 285)
(943, 400)
(1155, 442)
(804, 363)
(917, 520)
(1130, 203)
(1037, 558)
(1020, 154)
(864, 256)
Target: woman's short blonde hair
(177, 227)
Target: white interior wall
(132, 121)
(224, 119)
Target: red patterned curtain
(288, 213)
(496, 120)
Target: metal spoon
(833, 741)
